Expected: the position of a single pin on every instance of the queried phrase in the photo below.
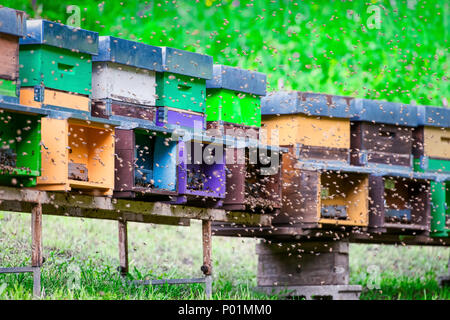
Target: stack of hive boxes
(233, 108)
(20, 127)
(181, 95)
(124, 89)
(316, 130)
(158, 96)
(382, 140)
(13, 27)
(56, 76)
(431, 150)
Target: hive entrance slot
(78, 171)
(445, 140)
(7, 159)
(204, 167)
(66, 68)
(19, 144)
(196, 177)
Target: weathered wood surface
(355, 235)
(9, 55)
(36, 235)
(85, 206)
(123, 247)
(207, 247)
(303, 263)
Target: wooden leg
(207, 265)
(123, 247)
(36, 248)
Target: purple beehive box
(198, 180)
(176, 118)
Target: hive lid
(433, 116)
(13, 22)
(187, 63)
(129, 53)
(62, 36)
(232, 78)
(307, 103)
(376, 111)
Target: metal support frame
(206, 268)
(36, 251)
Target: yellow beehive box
(317, 124)
(344, 199)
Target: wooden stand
(314, 270)
(36, 251)
(206, 267)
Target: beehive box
(399, 204)
(108, 108)
(12, 27)
(9, 90)
(182, 84)
(432, 154)
(312, 197)
(20, 137)
(125, 71)
(56, 65)
(77, 154)
(201, 171)
(318, 125)
(233, 97)
(382, 134)
(252, 185)
(146, 163)
(174, 118)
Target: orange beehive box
(77, 155)
(39, 96)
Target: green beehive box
(233, 96)
(8, 88)
(440, 195)
(233, 107)
(20, 145)
(182, 84)
(57, 56)
(179, 91)
(431, 141)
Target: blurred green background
(387, 50)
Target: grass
(82, 257)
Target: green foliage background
(322, 46)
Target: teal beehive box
(182, 84)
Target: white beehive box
(126, 71)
